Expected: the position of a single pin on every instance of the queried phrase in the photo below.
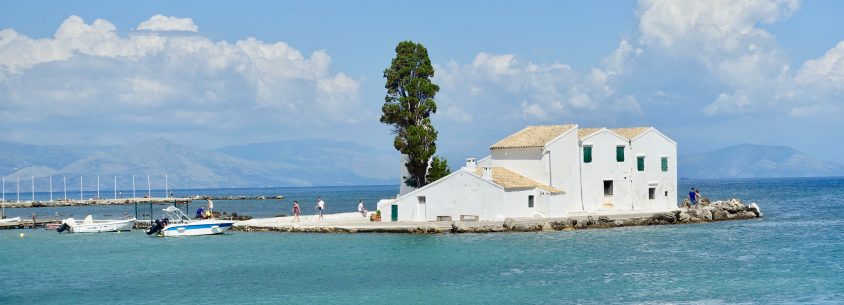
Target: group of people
(320, 207)
(206, 213)
(694, 198)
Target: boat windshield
(175, 215)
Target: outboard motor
(156, 227)
(63, 227)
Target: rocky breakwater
(732, 209)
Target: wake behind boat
(89, 225)
(176, 223)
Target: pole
(115, 187)
(133, 190)
(80, 189)
(98, 187)
(19, 188)
(64, 182)
(51, 188)
(32, 179)
(3, 207)
(149, 188)
(166, 187)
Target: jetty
(123, 201)
(732, 209)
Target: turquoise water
(338, 199)
(794, 255)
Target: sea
(793, 255)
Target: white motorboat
(176, 223)
(89, 225)
(10, 222)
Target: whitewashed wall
(461, 193)
(528, 162)
(605, 167)
(564, 173)
(653, 146)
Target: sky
(213, 73)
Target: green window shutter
(640, 163)
(587, 154)
(664, 164)
(619, 153)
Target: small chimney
(470, 164)
(487, 172)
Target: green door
(394, 215)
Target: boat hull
(10, 222)
(106, 226)
(197, 228)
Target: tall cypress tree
(408, 106)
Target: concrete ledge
(352, 222)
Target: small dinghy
(176, 223)
(89, 225)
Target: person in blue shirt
(693, 197)
(200, 212)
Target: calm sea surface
(793, 255)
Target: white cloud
(167, 23)
(826, 71)
(87, 70)
(725, 38)
(543, 91)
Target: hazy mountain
(292, 163)
(343, 162)
(752, 161)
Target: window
(640, 163)
(587, 154)
(421, 199)
(651, 193)
(619, 153)
(530, 201)
(607, 187)
(666, 193)
(664, 164)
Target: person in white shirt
(320, 206)
(361, 209)
(209, 212)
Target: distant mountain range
(313, 162)
(281, 163)
(755, 161)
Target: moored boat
(89, 225)
(176, 223)
(10, 222)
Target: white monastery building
(551, 171)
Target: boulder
(719, 215)
(706, 214)
(509, 222)
(458, 227)
(685, 217)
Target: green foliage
(408, 106)
(439, 168)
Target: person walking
(320, 205)
(693, 197)
(296, 210)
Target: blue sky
(214, 73)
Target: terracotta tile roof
(630, 133)
(510, 180)
(583, 132)
(532, 136)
